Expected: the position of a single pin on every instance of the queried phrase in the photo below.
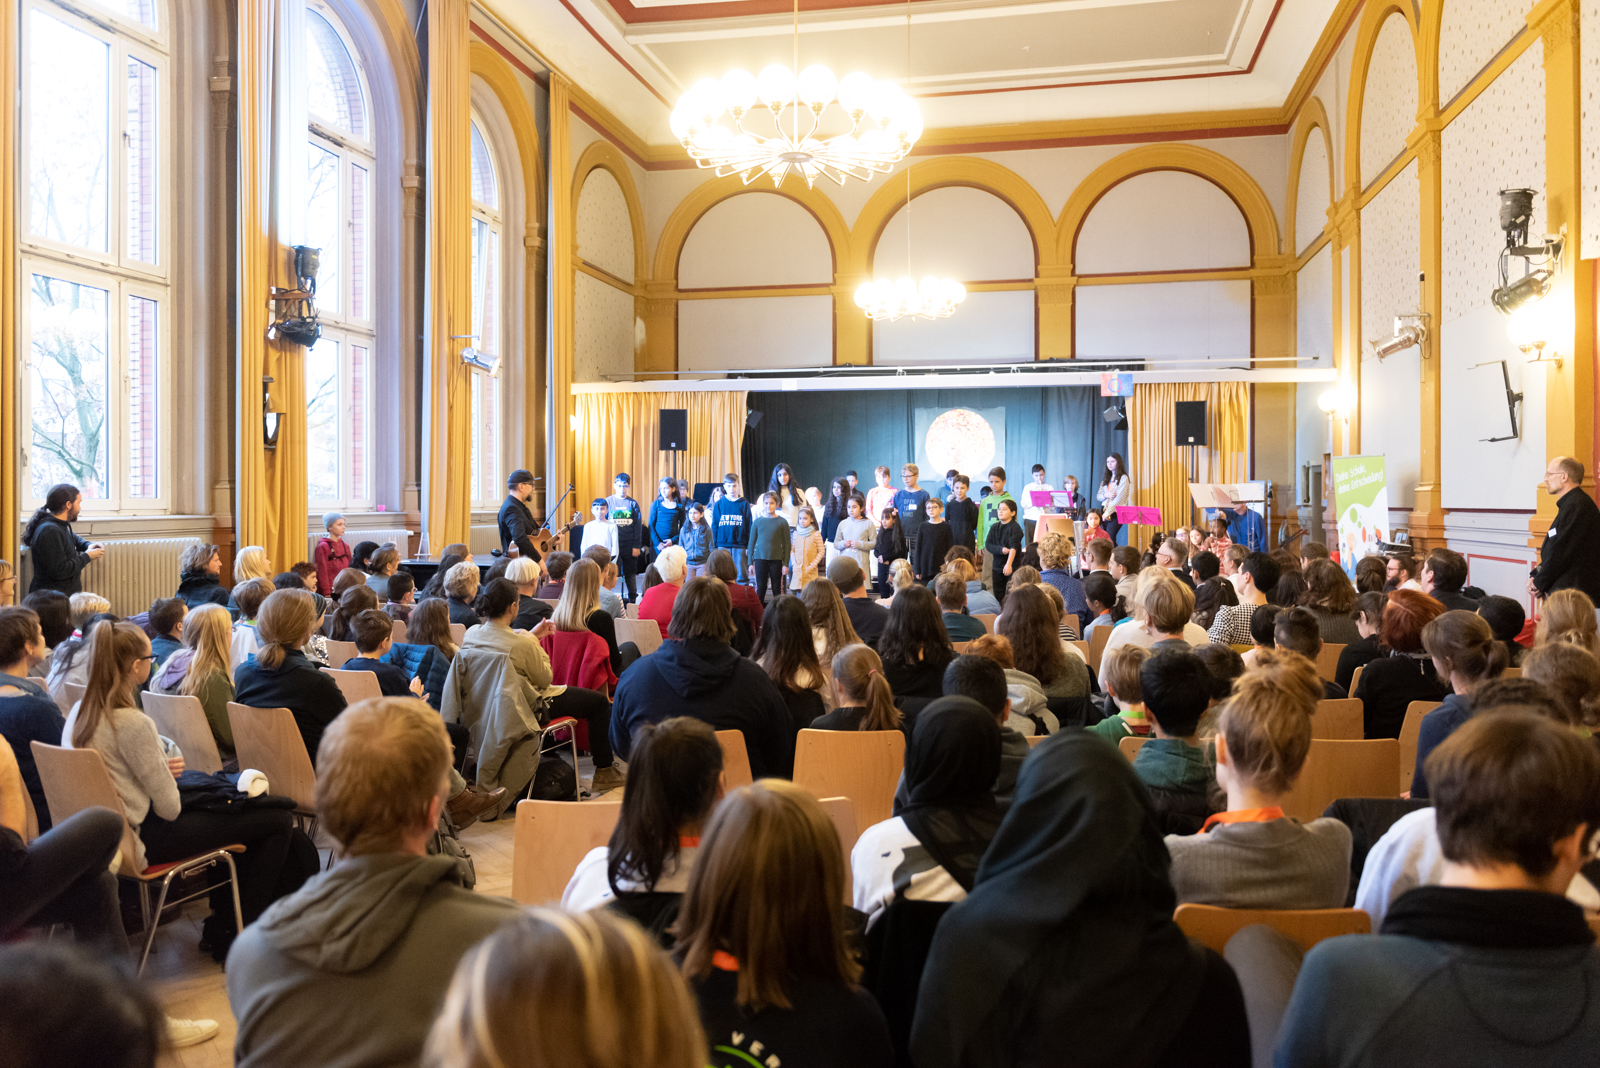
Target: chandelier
(932, 298)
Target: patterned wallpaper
(1313, 196)
(605, 234)
(603, 337)
(1313, 321)
(1496, 143)
(1472, 33)
(1391, 396)
(1389, 103)
(1589, 48)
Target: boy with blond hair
(1119, 677)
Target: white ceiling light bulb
(817, 86)
(775, 86)
(739, 91)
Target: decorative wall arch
(1313, 118)
(1372, 20)
(603, 155)
(1214, 167)
(669, 246)
(938, 173)
(497, 74)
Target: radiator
(132, 573)
(484, 539)
(401, 538)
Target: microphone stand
(557, 509)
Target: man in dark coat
(1570, 555)
(516, 520)
(59, 556)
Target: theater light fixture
(1117, 416)
(1409, 331)
(1540, 263)
(489, 365)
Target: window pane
(142, 397)
(476, 474)
(480, 275)
(490, 424)
(67, 362)
(333, 84)
(359, 206)
(490, 334)
(141, 162)
(360, 391)
(69, 93)
(322, 420)
(322, 222)
(140, 11)
(483, 183)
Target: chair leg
(233, 882)
(144, 904)
(150, 928)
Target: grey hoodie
(350, 970)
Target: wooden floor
(189, 984)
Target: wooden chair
(960, 647)
(77, 779)
(71, 693)
(550, 838)
(630, 610)
(1082, 647)
(1036, 740)
(1410, 732)
(458, 633)
(1339, 768)
(339, 652)
(1328, 661)
(735, 759)
(1097, 646)
(1130, 747)
(842, 811)
(1212, 926)
(551, 601)
(183, 719)
(1338, 718)
(645, 633)
(1355, 679)
(356, 685)
(1511, 673)
(988, 622)
(864, 766)
(30, 818)
(269, 740)
(397, 632)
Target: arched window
(96, 150)
(487, 484)
(340, 166)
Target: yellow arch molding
(1313, 117)
(1214, 167)
(945, 171)
(498, 75)
(1431, 25)
(707, 195)
(603, 155)
(1372, 20)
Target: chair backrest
(1328, 661)
(77, 779)
(1410, 732)
(645, 633)
(458, 634)
(1511, 673)
(1212, 926)
(630, 610)
(1338, 718)
(988, 621)
(339, 652)
(551, 601)
(70, 694)
(960, 647)
(864, 766)
(1036, 740)
(1339, 768)
(356, 685)
(397, 632)
(1082, 647)
(268, 740)
(549, 840)
(30, 818)
(1130, 746)
(1355, 679)
(842, 811)
(1097, 646)
(183, 719)
(735, 759)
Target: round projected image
(961, 439)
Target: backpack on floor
(446, 842)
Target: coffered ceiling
(972, 63)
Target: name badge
(1552, 532)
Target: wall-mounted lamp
(1540, 263)
(489, 365)
(1532, 329)
(269, 418)
(1409, 331)
(1338, 402)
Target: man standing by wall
(516, 521)
(1570, 555)
(59, 555)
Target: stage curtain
(10, 452)
(1160, 468)
(620, 431)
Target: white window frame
(348, 498)
(491, 484)
(114, 270)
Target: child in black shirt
(1004, 542)
(891, 546)
(374, 634)
(961, 512)
(932, 540)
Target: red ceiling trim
(618, 56)
(1101, 139)
(600, 128)
(542, 80)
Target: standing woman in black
(790, 499)
(59, 555)
(1114, 489)
(667, 514)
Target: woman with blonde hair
(461, 586)
(144, 771)
(864, 699)
(575, 990)
(900, 577)
(831, 630)
(281, 675)
(85, 606)
(579, 609)
(1568, 616)
(250, 563)
(761, 936)
(200, 669)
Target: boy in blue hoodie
(730, 524)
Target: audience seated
(1124, 567)
(352, 603)
(1365, 649)
(861, 692)
(1212, 595)
(580, 609)
(429, 649)
(453, 555)
(1331, 599)
(1404, 673)
(605, 998)
(198, 581)
(1055, 553)
(1106, 606)
(251, 562)
(1028, 621)
(1493, 967)
(786, 652)
(1252, 856)
(1163, 606)
(25, 716)
(524, 574)
(1506, 619)
(280, 675)
(656, 603)
(1572, 676)
(761, 937)
(1119, 678)
(1291, 589)
(402, 596)
(828, 613)
(1568, 615)
(352, 969)
(166, 619)
(54, 609)
(361, 556)
(675, 779)
(373, 633)
(23, 649)
(203, 669)
(461, 591)
(1030, 714)
(980, 602)
(984, 680)
(867, 618)
(952, 594)
(1443, 574)
(245, 638)
(556, 565)
(914, 646)
(345, 580)
(697, 673)
(70, 665)
(1298, 631)
(1371, 575)
(382, 565)
(610, 600)
(1172, 766)
(64, 1007)
(1065, 948)
(1464, 652)
(747, 608)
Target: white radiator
(484, 539)
(132, 573)
(401, 538)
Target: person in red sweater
(332, 554)
(656, 604)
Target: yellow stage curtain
(10, 453)
(1159, 468)
(620, 431)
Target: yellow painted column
(1054, 290)
(447, 386)
(563, 261)
(659, 310)
(852, 330)
(10, 293)
(1427, 510)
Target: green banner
(1361, 503)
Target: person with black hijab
(1065, 948)
(930, 849)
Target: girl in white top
(675, 779)
(600, 530)
(1114, 490)
(856, 535)
(805, 550)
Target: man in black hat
(515, 520)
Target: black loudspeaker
(752, 419)
(675, 429)
(1190, 418)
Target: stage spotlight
(1409, 331)
(1116, 416)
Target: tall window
(487, 486)
(338, 200)
(95, 151)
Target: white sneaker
(182, 1033)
